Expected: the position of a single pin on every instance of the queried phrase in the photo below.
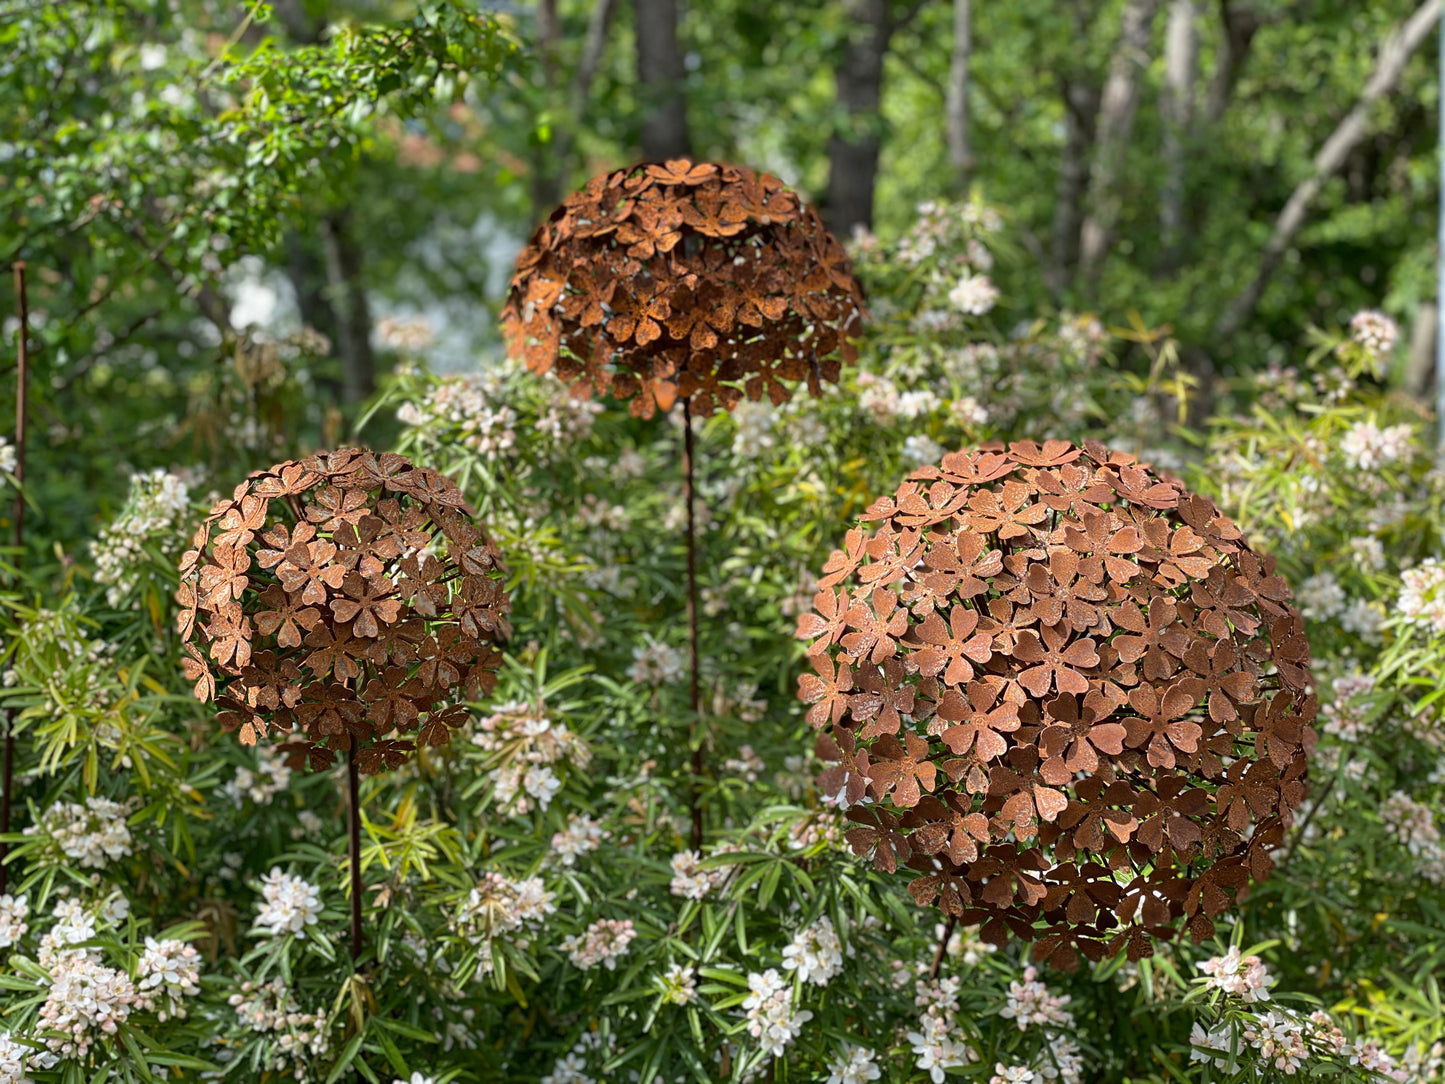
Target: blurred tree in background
(196, 183)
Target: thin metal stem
(942, 946)
(22, 378)
(353, 780)
(695, 736)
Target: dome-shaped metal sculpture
(1065, 692)
(346, 600)
(687, 280)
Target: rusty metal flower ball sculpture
(1064, 691)
(685, 282)
(697, 281)
(344, 603)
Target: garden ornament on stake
(346, 603)
(22, 380)
(1064, 691)
(690, 282)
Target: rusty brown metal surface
(345, 599)
(1065, 692)
(695, 280)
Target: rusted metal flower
(346, 600)
(1065, 692)
(684, 280)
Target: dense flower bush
(533, 910)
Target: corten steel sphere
(1065, 692)
(346, 598)
(700, 281)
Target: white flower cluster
(603, 943)
(754, 434)
(974, 295)
(270, 778)
(1375, 333)
(92, 834)
(524, 743)
(408, 335)
(880, 398)
(289, 904)
(936, 1046)
(167, 973)
(920, 448)
(1320, 597)
(966, 945)
(968, 411)
(1422, 595)
(747, 764)
(655, 664)
(86, 1000)
(678, 985)
(1369, 552)
(816, 953)
(571, 1068)
(1367, 447)
(1030, 1003)
(7, 457)
(853, 1065)
(465, 404)
(296, 1036)
(937, 1049)
(1244, 977)
(498, 906)
(14, 910)
(16, 1059)
(74, 925)
(598, 514)
(1343, 715)
(1413, 824)
(1280, 1040)
(690, 880)
(154, 513)
(581, 836)
(479, 408)
(1285, 1041)
(772, 1020)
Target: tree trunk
(353, 314)
(1176, 109)
(1240, 27)
(853, 147)
(554, 170)
(1117, 106)
(1081, 106)
(960, 153)
(660, 74)
(1394, 54)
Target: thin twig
(942, 946)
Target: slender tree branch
(960, 152)
(1395, 52)
(1117, 106)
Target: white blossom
(816, 953)
(772, 1020)
(290, 904)
(974, 295)
(1244, 977)
(603, 943)
(855, 1065)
